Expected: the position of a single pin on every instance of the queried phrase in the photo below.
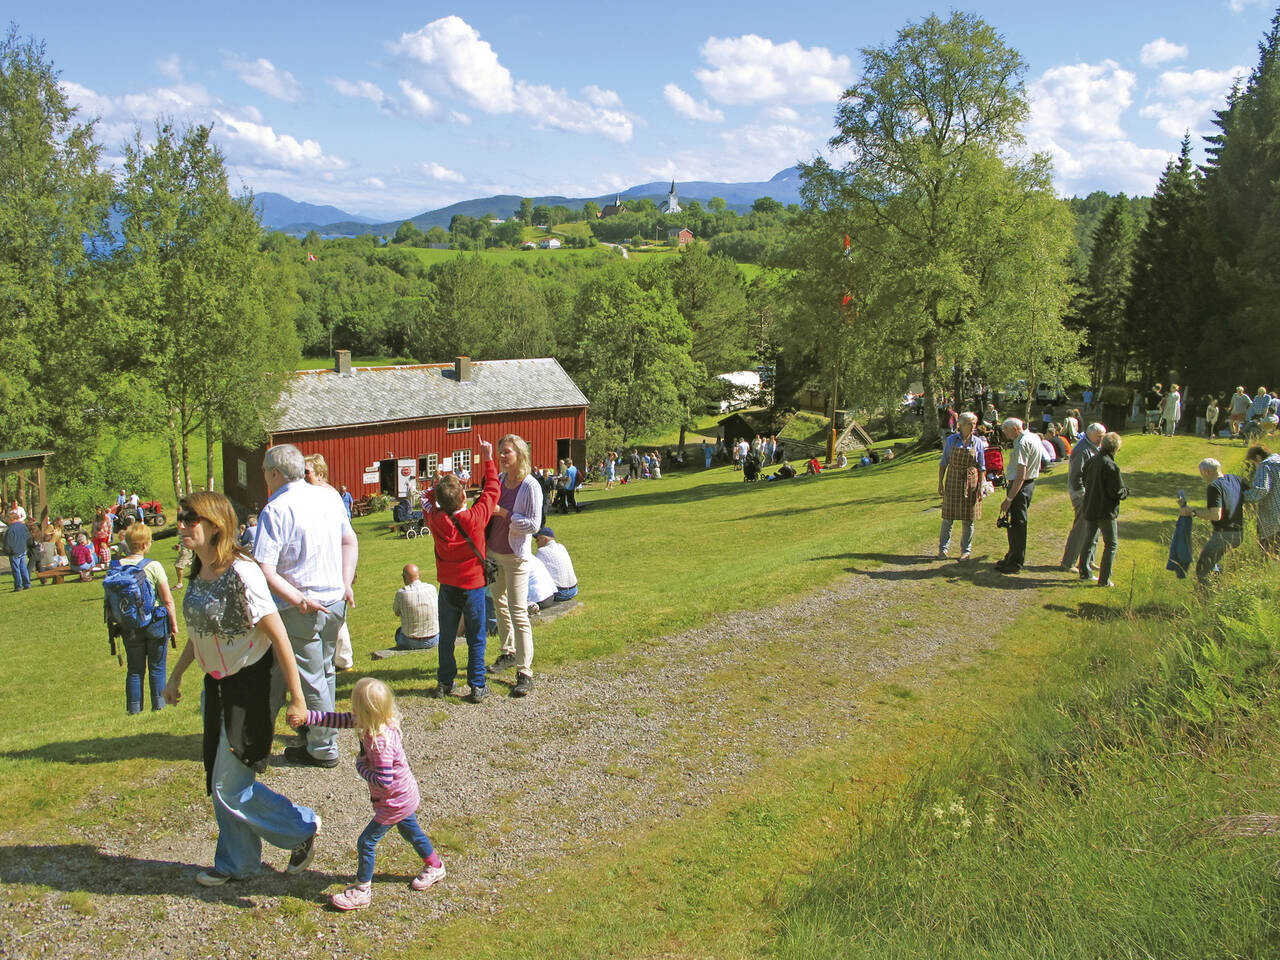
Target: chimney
(462, 369)
(342, 362)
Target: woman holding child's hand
(237, 635)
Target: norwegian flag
(848, 248)
(311, 257)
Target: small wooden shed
(22, 479)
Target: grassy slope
(653, 557)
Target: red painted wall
(350, 450)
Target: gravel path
(512, 786)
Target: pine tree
(1241, 227)
(1107, 292)
(1164, 312)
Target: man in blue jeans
(16, 540)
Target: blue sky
(389, 109)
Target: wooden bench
(56, 574)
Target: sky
(389, 109)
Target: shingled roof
(319, 399)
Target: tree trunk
(208, 450)
(173, 459)
(186, 461)
(930, 434)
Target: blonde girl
(392, 788)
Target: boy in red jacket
(460, 571)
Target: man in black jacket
(1103, 491)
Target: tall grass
(1108, 817)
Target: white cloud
(263, 145)
(1238, 6)
(170, 68)
(1160, 51)
(1082, 99)
(262, 74)
(374, 182)
(361, 88)
(453, 47)
(752, 69)
(685, 105)
(1188, 98)
(1076, 114)
(458, 61)
(420, 104)
(781, 114)
(436, 172)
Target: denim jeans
(568, 593)
(314, 637)
(1107, 528)
(966, 536)
(1218, 545)
(456, 603)
(414, 643)
(21, 576)
(143, 655)
(248, 812)
(367, 843)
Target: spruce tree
(1107, 293)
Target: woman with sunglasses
(236, 634)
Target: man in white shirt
(556, 559)
(308, 552)
(1023, 471)
(542, 589)
(418, 606)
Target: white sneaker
(429, 876)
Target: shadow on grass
(79, 867)
(1102, 613)
(151, 746)
(979, 571)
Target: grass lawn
(653, 558)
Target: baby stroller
(994, 464)
(751, 468)
(409, 522)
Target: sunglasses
(189, 517)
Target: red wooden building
(382, 429)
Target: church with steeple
(672, 203)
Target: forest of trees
(149, 301)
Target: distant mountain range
(290, 216)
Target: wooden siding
(350, 451)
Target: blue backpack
(131, 603)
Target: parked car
(1050, 393)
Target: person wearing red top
(460, 571)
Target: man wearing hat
(556, 559)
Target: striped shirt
(417, 605)
(383, 766)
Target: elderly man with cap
(308, 552)
(555, 558)
(417, 605)
(1086, 449)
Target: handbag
(490, 565)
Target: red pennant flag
(311, 258)
(848, 248)
(846, 300)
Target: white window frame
(433, 464)
(458, 425)
(461, 461)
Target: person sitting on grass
(392, 787)
(813, 467)
(457, 532)
(417, 606)
(556, 559)
(784, 472)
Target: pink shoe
(429, 877)
(355, 897)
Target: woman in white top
(516, 518)
(236, 634)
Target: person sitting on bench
(542, 589)
(83, 558)
(555, 558)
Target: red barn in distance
(382, 428)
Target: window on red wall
(458, 425)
